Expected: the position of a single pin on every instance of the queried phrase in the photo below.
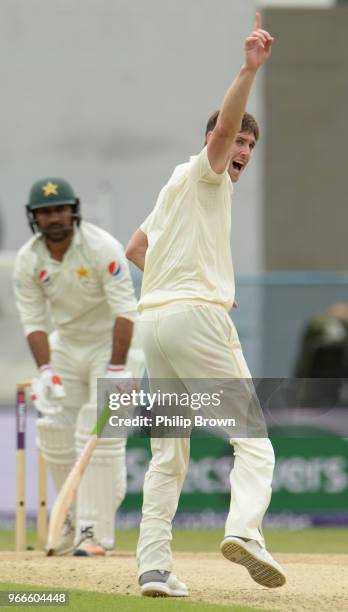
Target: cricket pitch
(314, 581)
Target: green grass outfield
(80, 601)
(316, 540)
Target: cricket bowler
(183, 247)
(76, 275)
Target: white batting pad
(103, 485)
(56, 443)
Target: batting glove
(122, 379)
(40, 401)
(51, 383)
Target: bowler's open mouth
(237, 165)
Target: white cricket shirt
(83, 293)
(188, 233)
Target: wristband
(115, 368)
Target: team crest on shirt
(114, 268)
(43, 277)
(82, 272)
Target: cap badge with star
(50, 189)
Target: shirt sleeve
(116, 279)
(201, 170)
(30, 300)
(153, 216)
(145, 224)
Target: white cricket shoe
(88, 545)
(65, 544)
(259, 563)
(161, 584)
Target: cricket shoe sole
(259, 563)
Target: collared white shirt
(188, 233)
(83, 293)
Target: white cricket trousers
(197, 340)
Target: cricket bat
(67, 493)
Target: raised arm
(257, 50)
(136, 249)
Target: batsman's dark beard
(57, 233)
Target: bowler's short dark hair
(249, 124)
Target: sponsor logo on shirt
(43, 277)
(114, 268)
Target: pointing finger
(257, 21)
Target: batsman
(73, 277)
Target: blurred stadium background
(112, 95)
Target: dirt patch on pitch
(315, 582)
